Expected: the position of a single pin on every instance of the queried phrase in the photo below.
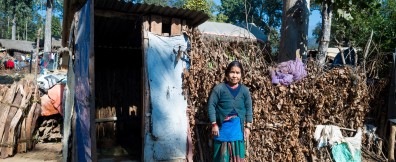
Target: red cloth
(52, 103)
(10, 64)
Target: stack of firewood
(284, 116)
(19, 111)
(50, 130)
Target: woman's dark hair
(232, 64)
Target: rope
(8, 104)
(6, 145)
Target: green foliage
(220, 18)
(207, 6)
(198, 5)
(275, 41)
(234, 9)
(378, 16)
(266, 14)
(8, 8)
(56, 28)
(177, 3)
(317, 32)
(171, 3)
(157, 2)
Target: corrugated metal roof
(192, 17)
(18, 45)
(230, 30)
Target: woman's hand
(215, 130)
(247, 133)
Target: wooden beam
(146, 27)
(156, 24)
(114, 14)
(109, 119)
(145, 113)
(184, 26)
(91, 70)
(175, 27)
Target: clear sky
(314, 18)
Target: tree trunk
(26, 30)
(47, 31)
(8, 23)
(294, 30)
(326, 26)
(13, 28)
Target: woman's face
(234, 77)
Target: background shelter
(18, 50)
(226, 30)
(17, 46)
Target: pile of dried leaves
(284, 116)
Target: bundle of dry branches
(284, 116)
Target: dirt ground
(48, 152)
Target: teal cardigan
(222, 102)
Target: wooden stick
(29, 121)
(22, 146)
(391, 153)
(11, 122)
(5, 119)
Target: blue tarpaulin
(169, 121)
(81, 67)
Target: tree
(47, 28)
(51, 6)
(14, 10)
(198, 5)
(177, 3)
(234, 9)
(294, 31)
(157, 2)
(56, 28)
(266, 14)
(327, 14)
(317, 32)
(344, 8)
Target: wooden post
(91, 70)
(379, 146)
(37, 53)
(31, 59)
(146, 89)
(156, 24)
(175, 27)
(391, 153)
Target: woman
(229, 108)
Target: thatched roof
(56, 42)
(18, 45)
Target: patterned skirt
(229, 151)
